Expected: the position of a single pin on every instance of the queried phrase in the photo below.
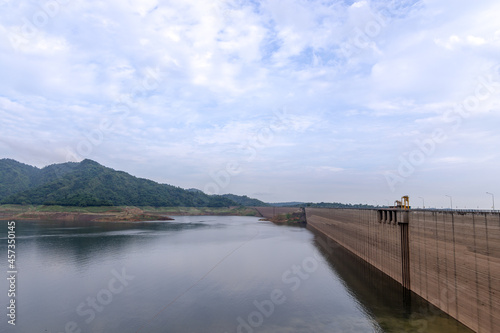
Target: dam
(450, 258)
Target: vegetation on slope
(320, 205)
(90, 184)
(245, 201)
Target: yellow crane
(404, 203)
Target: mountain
(90, 184)
(245, 201)
(16, 177)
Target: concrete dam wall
(449, 258)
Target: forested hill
(16, 177)
(245, 200)
(90, 184)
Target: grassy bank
(235, 211)
(59, 209)
(111, 213)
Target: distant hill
(287, 204)
(319, 205)
(245, 201)
(335, 205)
(90, 184)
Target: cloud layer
(352, 101)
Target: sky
(282, 100)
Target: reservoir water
(200, 274)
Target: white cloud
(191, 81)
(328, 169)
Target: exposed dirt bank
(126, 214)
(114, 214)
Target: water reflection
(393, 307)
(81, 242)
(201, 274)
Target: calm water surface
(200, 274)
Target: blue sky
(349, 101)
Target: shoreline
(114, 213)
